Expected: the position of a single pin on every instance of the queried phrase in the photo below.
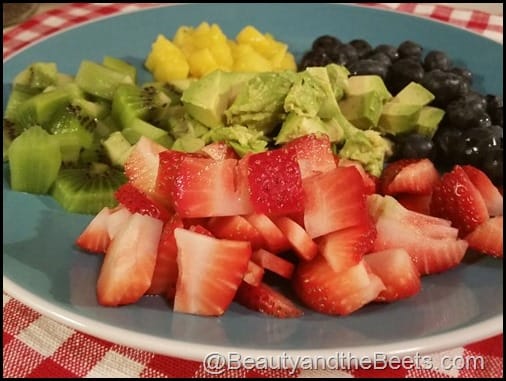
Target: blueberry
(314, 58)
(436, 60)
(466, 111)
(445, 86)
(414, 146)
(380, 57)
(368, 66)
(494, 108)
(325, 42)
(492, 165)
(402, 72)
(362, 47)
(343, 54)
(464, 73)
(410, 49)
(389, 50)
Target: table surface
(36, 346)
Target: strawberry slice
(210, 271)
(207, 188)
(370, 181)
(299, 240)
(345, 248)
(129, 263)
(119, 216)
(266, 300)
(487, 238)
(273, 263)
(397, 272)
(236, 228)
(313, 153)
(165, 273)
(219, 151)
(419, 203)
(325, 291)
(254, 274)
(141, 167)
(458, 200)
(138, 202)
(491, 195)
(274, 182)
(95, 237)
(416, 176)
(275, 240)
(200, 229)
(334, 200)
(430, 255)
(169, 162)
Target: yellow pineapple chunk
(166, 61)
(247, 59)
(288, 62)
(202, 62)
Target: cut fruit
(236, 228)
(95, 237)
(210, 271)
(254, 274)
(34, 161)
(397, 272)
(275, 240)
(487, 238)
(266, 300)
(491, 195)
(414, 176)
(138, 202)
(273, 263)
(298, 238)
(125, 274)
(87, 190)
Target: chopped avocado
(363, 111)
(240, 138)
(338, 76)
(188, 144)
(328, 107)
(414, 94)
(207, 98)
(367, 147)
(306, 96)
(259, 103)
(398, 118)
(296, 125)
(362, 84)
(181, 124)
(428, 120)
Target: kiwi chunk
(34, 161)
(117, 148)
(120, 66)
(98, 80)
(89, 189)
(137, 128)
(37, 76)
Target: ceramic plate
(44, 270)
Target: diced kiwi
(98, 80)
(37, 76)
(17, 97)
(137, 128)
(131, 102)
(117, 148)
(87, 190)
(121, 66)
(34, 161)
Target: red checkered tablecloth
(36, 346)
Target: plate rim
(197, 351)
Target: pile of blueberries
(471, 130)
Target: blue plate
(44, 270)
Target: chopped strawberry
(273, 263)
(119, 216)
(207, 188)
(201, 230)
(325, 291)
(419, 203)
(219, 151)
(95, 238)
(430, 226)
(169, 161)
(487, 238)
(430, 255)
(275, 240)
(345, 248)
(397, 272)
(141, 167)
(236, 228)
(299, 240)
(165, 273)
(370, 181)
(266, 300)
(416, 176)
(313, 153)
(129, 263)
(138, 202)
(254, 274)
(491, 195)
(274, 182)
(210, 271)
(458, 200)
(334, 200)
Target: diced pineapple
(202, 62)
(183, 39)
(247, 59)
(288, 62)
(166, 61)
